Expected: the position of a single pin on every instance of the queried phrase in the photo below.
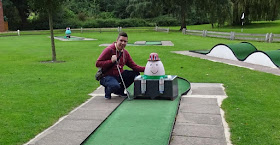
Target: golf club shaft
(123, 82)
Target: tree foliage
(217, 11)
(76, 12)
(255, 10)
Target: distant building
(2, 25)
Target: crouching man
(112, 60)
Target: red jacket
(104, 61)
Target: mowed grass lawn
(34, 95)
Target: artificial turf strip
(139, 122)
(153, 43)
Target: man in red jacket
(116, 56)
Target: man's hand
(114, 58)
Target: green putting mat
(139, 122)
(201, 51)
(153, 43)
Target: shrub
(165, 21)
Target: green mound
(274, 56)
(139, 122)
(242, 50)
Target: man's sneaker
(121, 94)
(107, 97)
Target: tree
(23, 11)
(87, 7)
(255, 10)
(218, 11)
(12, 14)
(144, 8)
(51, 7)
(180, 8)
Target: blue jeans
(113, 84)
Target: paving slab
(275, 71)
(81, 125)
(181, 140)
(202, 109)
(167, 43)
(61, 137)
(140, 42)
(195, 118)
(199, 101)
(199, 130)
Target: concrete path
(74, 128)
(275, 71)
(199, 120)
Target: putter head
(129, 97)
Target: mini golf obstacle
(245, 52)
(156, 87)
(147, 43)
(154, 83)
(72, 38)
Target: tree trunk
(235, 16)
(52, 36)
(183, 15)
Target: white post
(184, 31)
(156, 28)
(81, 29)
(18, 32)
(267, 37)
(232, 35)
(168, 30)
(270, 37)
(242, 27)
(204, 33)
